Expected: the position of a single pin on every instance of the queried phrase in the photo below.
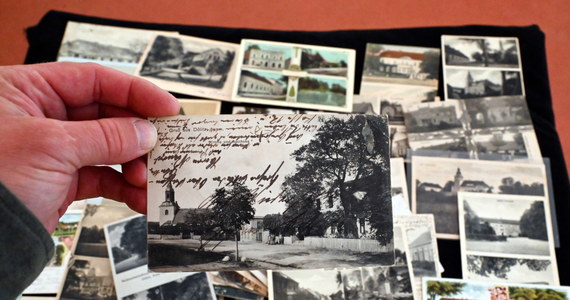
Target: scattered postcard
(190, 65)
(400, 76)
(436, 182)
(295, 75)
(399, 187)
(366, 104)
(89, 278)
(199, 107)
(49, 281)
(479, 126)
(240, 284)
(506, 238)
(349, 283)
(120, 48)
(193, 286)
(126, 244)
(238, 192)
(447, 288)
(477, 66)
(89, 274)
(398, 141)
(422, 244)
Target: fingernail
(146, 133)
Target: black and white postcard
(127, 247)
(234, 192)
(349, 283)
(88, 278)
(511, 269)
(295, 75)
(436, 182)
(193, 286)
(199, 107)
(483, 126)
(422, 247)
(250, 110)
(120, 48)
(476, 67)
(190, 65)
(446, 288)
(512, 228)
(399, 187)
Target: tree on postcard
(233, 208)
(439, 288)
(346, 168)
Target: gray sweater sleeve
(25, 246)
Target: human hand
(58, 120)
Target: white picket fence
(344, 244)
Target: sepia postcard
(265, 110)
(120, 48)
(199, 107)
(240, 284)
(190, 65)
(478, 66)
(49, 280)
(399, 187)
(399, 76)
(446, 288)
(436, 182)
(295, 75)
(247, 192)
(506, 231)
(423, 255)
(348, 283)
(480, 127)
(126, 244)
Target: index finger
(81, 84)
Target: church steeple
(169, 207)
(457, 181)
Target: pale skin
(59, 120)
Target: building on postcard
(434, 116)
(482, 87)
(430, 187)
(401, 64)
(96, 51)
(286, 288)
(169, 208)
(264, 58)
(475, 186)
(421, 248)
(254, 84)
(201, 63)
(254, 231)
(454, 56)
(504, 227)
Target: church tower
(458, 181)
(169, 207)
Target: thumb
(110, 141)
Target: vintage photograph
(398, 141)
(190, 65)
(120, 48)
(307, 284)
(316, 195)
(265, 110)
(436, 182)
(400, 65)
(295, 75)
(445, 288)
(91, 238)
(194, 286)
(127, 243)
(369, 105)
(509, 269)
(88, 278)
(199, 107)
(471, 51)
(247, 285)
(399, 187)
(479, 83)
(481, 126)
(506, 224)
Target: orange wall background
(552, 16)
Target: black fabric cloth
(45, 38)
(25, 246)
